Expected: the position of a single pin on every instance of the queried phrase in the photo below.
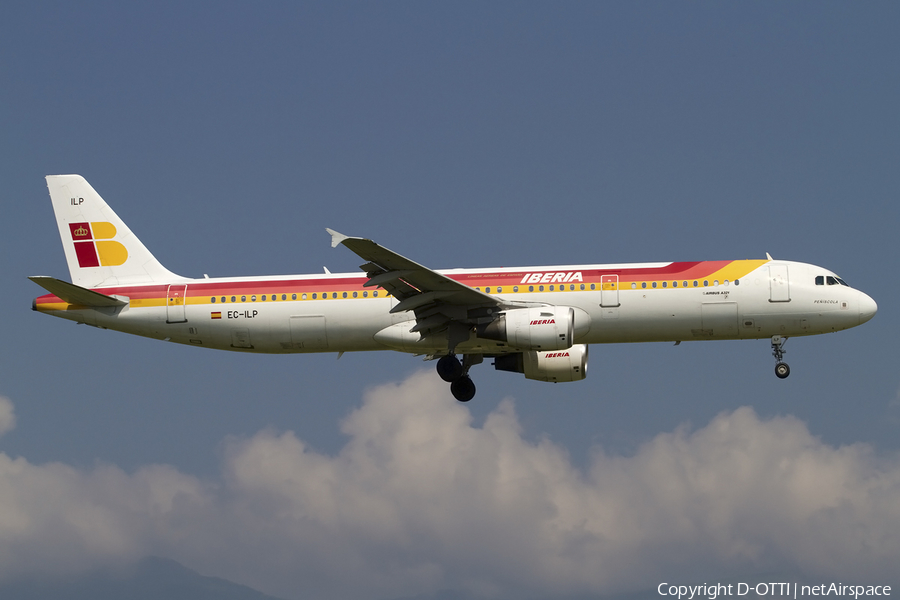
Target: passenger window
(593, 286)
(551, 288)
(354, 294)
(303, 296)
(314, 296)
(685, 284)
(737, 282)
(375, 294)
(233, 299)
(515, 288)
(487, 290)
(243, 298)
(253, 298)
(695, 284)
(365, 294)
(293, 296)
(665, 283)
(644, 285)
(654, 285)
(499, 290)
(706, 283)
(581, 287)
(223, 298)
(263, 297)
(674, 284)
(213, 299)
(530, 288)
(540, 288)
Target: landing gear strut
(782, 370)
(456, 373)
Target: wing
(438, 302)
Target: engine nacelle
(541, 328)
(556, 366)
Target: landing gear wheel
(463, 389)
(449, 368)
(782, 370)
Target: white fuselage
(614, 304)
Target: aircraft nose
(867, 308)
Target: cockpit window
(831, 280)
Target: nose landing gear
(782, 370)
(456, 373)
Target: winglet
(336, 238)
(769, 256)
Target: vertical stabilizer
(99, 247)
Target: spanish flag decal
(215, 315)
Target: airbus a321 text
(537, 321)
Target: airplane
(537, 321)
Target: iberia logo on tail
(95, 247)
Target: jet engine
(555, 366)
(540, 328)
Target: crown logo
(81, 231)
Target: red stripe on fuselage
(203, 288)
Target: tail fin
(100, 249)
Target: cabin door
(779, 285)
(175, 303)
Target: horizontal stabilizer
(74, 294)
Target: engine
(555, 366)
(541, 328)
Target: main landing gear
(456, 373)
(782, 370)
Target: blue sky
(229, 135)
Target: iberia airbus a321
(537, 321)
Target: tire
(463, 389)
(782, 370)
(449, 368)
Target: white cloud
(420, 500)
(7, 416)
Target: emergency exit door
(609, 290)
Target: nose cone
(867, 308)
